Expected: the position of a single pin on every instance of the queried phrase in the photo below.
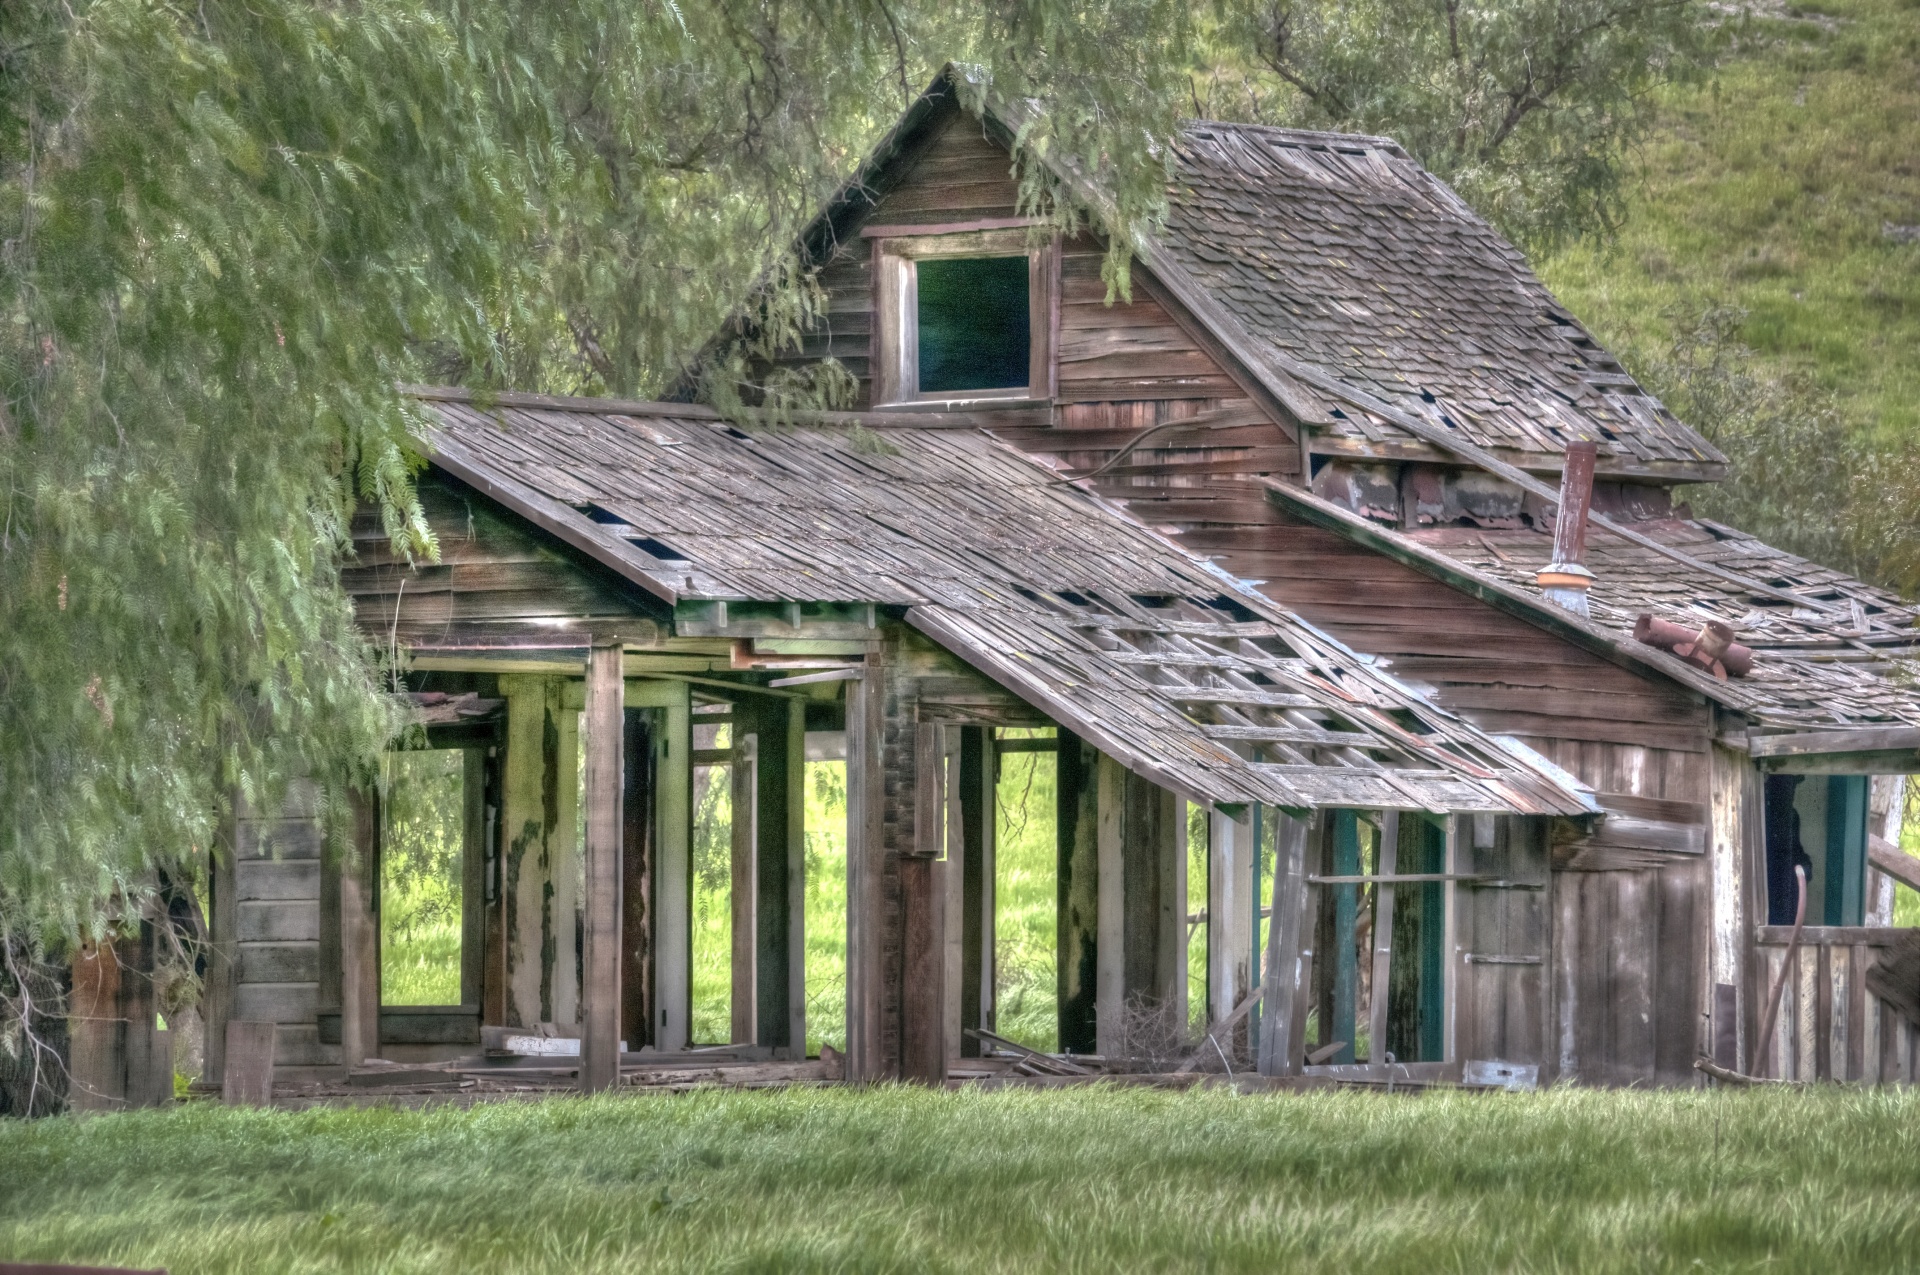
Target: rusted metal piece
(1762, 1056)
(1711, 647)
(1565, 580)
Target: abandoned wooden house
(1336, 382)
(620, 584)
(1340, 533)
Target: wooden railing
(1830, 1027)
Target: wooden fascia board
(1344, 447)
(549, 515)
(1633, 656)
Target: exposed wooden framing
(473, 868)
(973, 808)
(1797, 744)
(673, 859)
(223, 924)
(743, 773)
(1110, 995)
(1387, 861)
(605, 739)
(1731, 783)
(923, 1045)
(1230, 851)
(907, 229)
(639, 792)
(1288, 958)
(1078, 884)
(360, 935)
(795, 851)
(866, 700)
(1459, 829)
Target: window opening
(974, 324)
(1026, 875)
(421, 893)
(1819, 823)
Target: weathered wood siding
(277, 929)
(498, 582)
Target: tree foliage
(1526, 107)
(227, 231)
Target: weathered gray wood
(359, 936)
(743, 880)
(276, 1002)
(473, 878)
(1810, 742)
(262, 880)
(1285, 980)
(1388, 862)
(923, 1046)
(1110, 994)
(866, 700)
(284, 921)
(247, 1079)
(605, 738)
(223, 946)
(1078, 886)
(673, 859)
(1230, 853)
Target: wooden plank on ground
(248, 1078)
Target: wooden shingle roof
(1345, 255)
(1163, 661)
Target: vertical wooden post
(606, 768)
(672, 902)
(866, 709)
(1230, 852)
(1452, 953)
(923, 1045)
(1169, 846)
(96, 1062)
(797, 878)
(1287, 958)
(560, 946)
(637, 841)
(1110, 995)
(1078, 884)
(247, 1079)
(974, 809)
(473, 880)
(743, 880)
(1389, 859)
(359, 935)
(223, 933)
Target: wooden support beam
(923, 1045)
(473, 881)
(1110, 994)
(605, 740)
(247, 1079)
(1341, 955)
(359, 934)
(672, 901)
(1387, 863)
(1230, 909)
(866, 722)
(743, 774)
(638, 794)
(779, 868)
(1286, 980)
(223, 927)
(1078, 884)
(973, 807)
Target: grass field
(912, 1180)
(1787, 186)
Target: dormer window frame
(895, 343)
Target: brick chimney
(1565, 580)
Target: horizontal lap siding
(957, 174)
(494, 580)
(1128, 351)
(277, 912)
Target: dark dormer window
(963, 314)
(975, 330)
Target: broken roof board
(1157, 657)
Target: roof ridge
(1371, 140)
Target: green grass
(1026, 898)
(912, 1180)
(1768, 189)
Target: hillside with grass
(1787, 187)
